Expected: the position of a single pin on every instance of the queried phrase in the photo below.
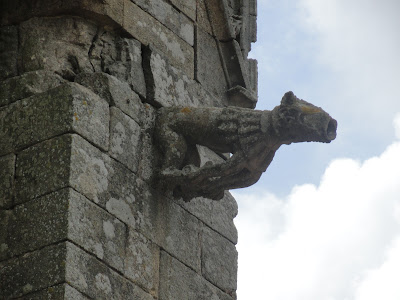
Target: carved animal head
(296, 121)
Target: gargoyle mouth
(331, 130)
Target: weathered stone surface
(106, 182)
(219, 260)
(28, 84)
(33, 272)
(43, 168)
(69, 107)
(120, 57)
(142, 262)
(115, 92)
(7, 170)
(37, 223)
(186, 6)
(180, 234)
(6, 216)
(62, 215)
(107, 12)
(248, 31)
(218, 215)
(203, 20)
(8, 52)
(170, 17)
(58, 292)
(57, 44)
(209, 67)
(179, 282)
(96, 231)
(124, 139)
(219, 16)
(168, 86)
(242, 97)
(253, 76)
(148, 30)
(148, 160)
(97, 280)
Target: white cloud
(338, 240)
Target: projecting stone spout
(252, 136)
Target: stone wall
(80, 83)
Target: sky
(323, 222)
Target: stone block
(67, 108)
(106, 12)
(124, 139)
(28, 84)
(219, 260)
(96, 231)
(168, 86)
(169, 17)
(8, 52)
(60, 45)
(6, 217)
(33, 272)
(120, 57)
(115, 92)
(209, 67)
(95, 279)
(179, 234)
(43, 168)
(188, 7)
(142, 262)
(203, 20)
(103, 180)
(7, 171)
(65, 262)
(177, 281)
(62, 215)
(36, 224)
(216, 214)
(253, 7)
(147, 29)
(58, 292)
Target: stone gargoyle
(251, 136)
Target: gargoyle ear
(288, 98)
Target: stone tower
(80, 83)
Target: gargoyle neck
(269, 126)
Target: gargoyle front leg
(202, 181)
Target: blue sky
(323, 222)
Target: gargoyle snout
(331, 130)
